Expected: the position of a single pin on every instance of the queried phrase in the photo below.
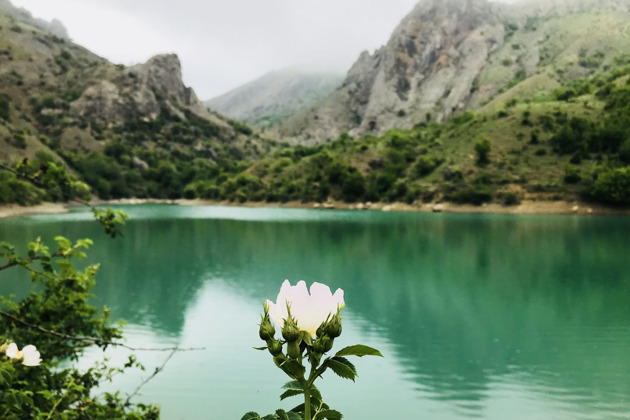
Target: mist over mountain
(275, 96)
(448, 56)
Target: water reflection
(480, 316)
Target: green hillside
(567, 143)
(547, 119)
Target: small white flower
(309, 310)
(12, 351)
(29, 354)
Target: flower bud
(290, 331)
(274, 347)
(321, 330)
(266, 331)
(321, 344)
(293, 349)
(314, 358)
(328, 345)
(333, 327)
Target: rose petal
(309, 310)
(31, 356)
(12, 351)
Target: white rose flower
(308, 310)
(29, 354)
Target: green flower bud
(333, 328)
(290, 331)
(321, 344)
(274, 347)
(328, 345)
(266, 331)
(314, 358)
(321, 330)
(293, 349)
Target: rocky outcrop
(143, 91)
(427, 68)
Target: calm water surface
(489, 317)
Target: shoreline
(526, 207)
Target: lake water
(478, 316)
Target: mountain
(275, 96)
(448, 56)
(127, 131)
(55, 27)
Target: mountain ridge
(439, 62)
(275, 96)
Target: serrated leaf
(294, 416)
(359, 350)
(282, 415)
(316, 394)
(298, 409)
(293, 368)
(329, 414)
(290, 393)
(251, 416)
(297, 385)
(341, 368)
(270, 417)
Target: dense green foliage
(556, 146)
(58, 320)
(41, 179)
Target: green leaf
(329, 414)
(315, 394)
(293, 368)
(290, 393)
(282, 415)
(6, 379)
(342, 367)
(64, 243)
(295, 385)
(359, 350)
(294, 416)
(270, 417)
(46, 394)
(251, 416)
(260, 348)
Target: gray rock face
(428, 67)
(142, 91)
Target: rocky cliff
(59, 98)
(447, 56)
(141, 91)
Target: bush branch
(95, 340)
(155, 372)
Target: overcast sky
(225, 43)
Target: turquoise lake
(478, 316)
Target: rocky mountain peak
(428, 67)
(142, 91)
